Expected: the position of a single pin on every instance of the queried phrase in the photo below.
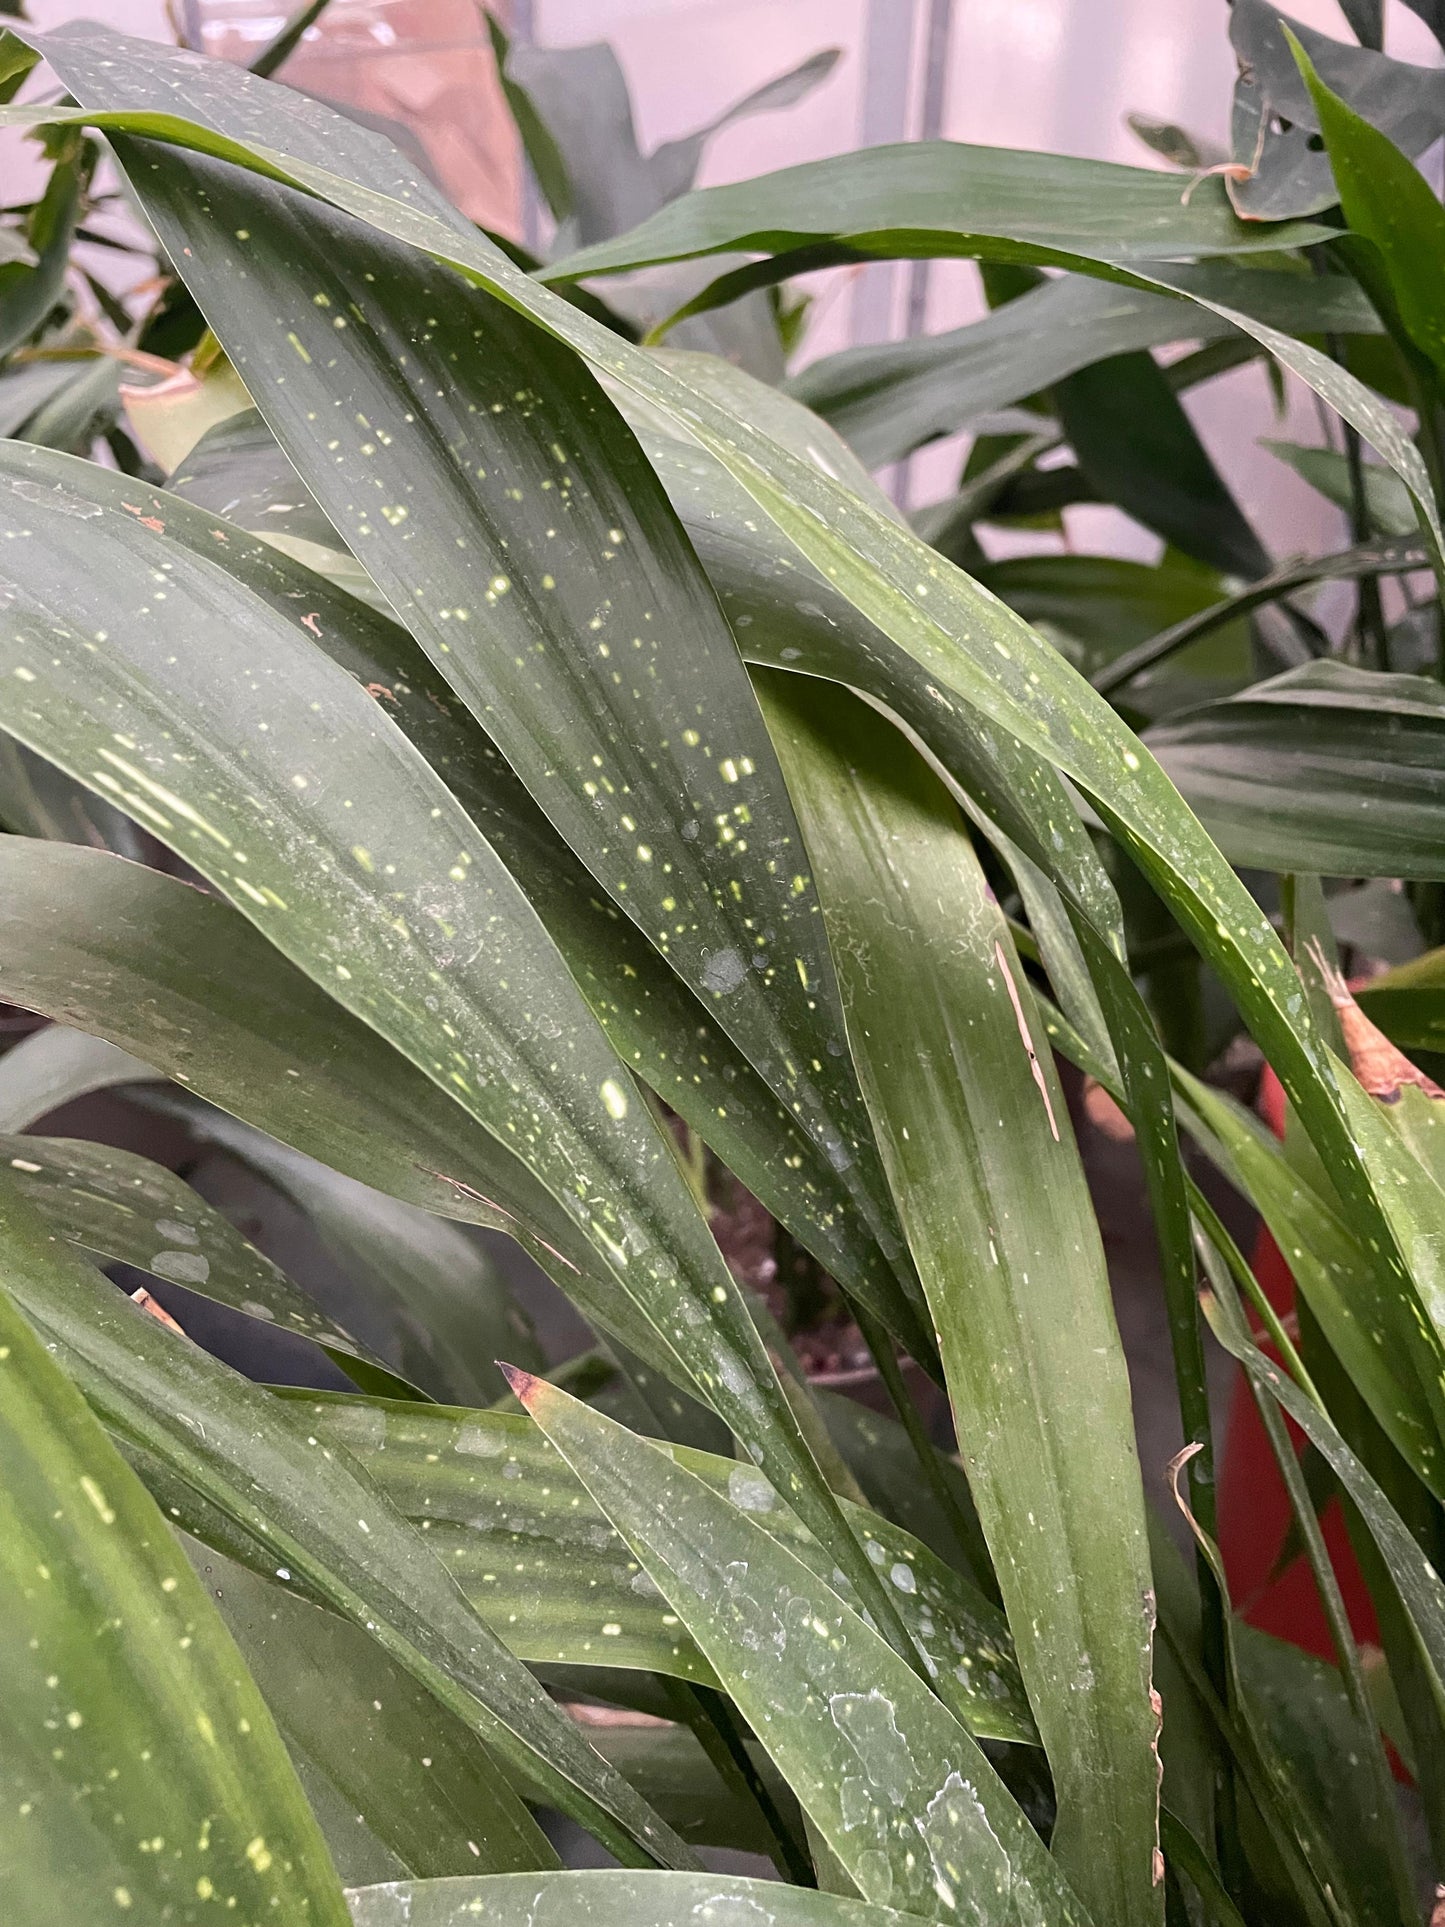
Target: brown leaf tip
(525, 1385)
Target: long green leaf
(889, 398)
(946, 199)
(420, 1782)
(51, 1066)
(1328, 769)
(324, 825)
(140, 1772)
(1419, 1584)
(1391, 205)
(122, 1207)
(900, 1792)
(519, 1534)
(950, 639)
(524, 541)
(182, 982)
(320, 1518)
(610, 1900)
(979, 1149)
(1392, 1359)
(659, 1029)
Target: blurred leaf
(609, 1900)
(1393, 556)
(1387, 500)
(1389, 203)
(544, 157)
(28, 294)
(981, 1158)
(1328, 769)
(1289, 171)
(890, 1768)
(1098, 605)
(121, 1208)
(128, 1716)
(51, 1066)
(413, 1774)
(320, 1518)
(430, 1295)
(1408, 1003)
(890, 398)
(525, 1543)
(1140, 450)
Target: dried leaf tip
(525, 1385)
(1381, 1068)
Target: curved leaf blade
(330, 832)
(608, 1900)
(981, 1156)
(320, 1517)
(127, 1209)
(1329, 770)
(900, 1792)
(521, 1536)
(140, 1767)
(419, 1780)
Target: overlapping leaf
(319, 1517)
(326, 827)
(980, 1152)
(1327, 769)
(139, 1767)
(519, 1534)
(124, 1208)
(899, 1791)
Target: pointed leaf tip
(524, 1384)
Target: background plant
(601, 798)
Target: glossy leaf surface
(900, 1792)
(518, 1532)
(323, 1521)
(140, 1769)
(981, 1155)
(609, 1900)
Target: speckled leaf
(902, 1794)
(140, 1773)
(660, 1030)
(1328, 769)
(319, 1517)
(428, 1295)
(518, 1532)
(976, 1135)
(426, 1790)
(496, 497)
(326, 827)
(610, 1900)
(952, 646)
(181, 982)
(120, 1207)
